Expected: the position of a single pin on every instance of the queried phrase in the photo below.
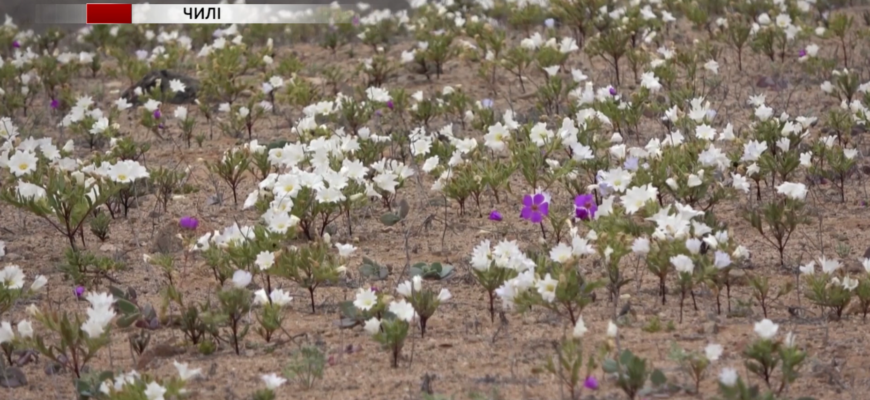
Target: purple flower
(495, 216)
(355, 20)
(486, 103)
(79, 291)
(591, 383)
(631, 164)
(16, 45)
(802, 53)
(549, 23)
(189, 223)
(612, 91)
(157, 114)
(535, 208)
(390, 104)
(375, 289)
(55, 104)
(585, 207)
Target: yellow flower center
(122, 177)
(23, 166)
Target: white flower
(849, 283)
(829, 266)
(365, 299)
(407, 288)
(265, 260)
(181, 112)
(612, 329)
(151, 105)
(272, 381)
(766, 329)
(345, 250)
(728, 376)
(712, 66)
(580, 328)
(372, 326)
(547, 288)
(25, 329)
(280, 298)
(713, 351)
(561, 253)
(22, 163)
(640, 246)
(184, 372)
(241, 278)
(6, 333)
(721, 259)
(38, 283)
(153, 391)
(683, 264)
(650, 81)
(808, 269)
(866, 264)
(444, 295)
(403, 310)
(176, 86)
(12, 277)
(795, 191)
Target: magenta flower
(612, 91)
(591, 383)
(495, 216)
(16, 45)
(189, 223)
(535, 208)
(157, 114)
(79, 291)
(802, 53)
(585, 207)
(55, 104)
(390, 104)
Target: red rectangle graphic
(109, 13)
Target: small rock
(167, 242)
(12, 378)
(108, 248)
(737, 277)
(772, 82)
(53, 369)
(709, 328)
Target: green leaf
(348, 310)
(347, 323)
(126, 307)
(127, 319)
(390, 219)
(610, 366)
(404, 208)
(446, 271)
(658, 378)
(276, 144)
(117, 292)
(374, 271)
